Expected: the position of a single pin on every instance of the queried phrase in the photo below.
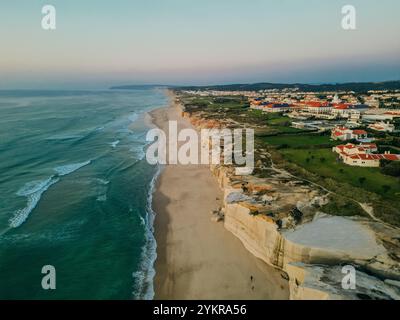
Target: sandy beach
(198, 258)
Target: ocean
(75, 193)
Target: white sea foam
(69, 168)
(101, 189)
(33, 187)
(144, 286)
(102, 181)
(33, 191)
(133, 117)
(65, 137)
(138, 152)
(102, 198)
(114, 144)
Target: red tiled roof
(363, 156)
(315, 104)
(359, 132)
(394, 113)
(376, 126)
(391, 157)
(341, 106)
(369, 145)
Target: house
(316, 107)
(381, 115)
(351, 149)
(276, 107)
(344, 134)
(256, 103)
(362, 155)
(360, 135)
(269, 106)
(382, 126)
(369, 160)
(346, 110)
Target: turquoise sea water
(74, 193)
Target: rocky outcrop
(326, 242)
(320, 282)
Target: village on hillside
(345, 142)
(356, 119)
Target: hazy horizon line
(115, 86)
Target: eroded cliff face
(321, 245)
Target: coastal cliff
(279, 220)
(313, 250)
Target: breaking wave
(69, 168)
(144, 278)
(33, 191)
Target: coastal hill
(351, 86)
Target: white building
(344, 134)
(382, 126)
(362, 155)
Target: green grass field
(299, 141)
(323, 162)
(276, 123)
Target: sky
(99, 43)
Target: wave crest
(33, 191)
(69, 168)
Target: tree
(392, 169)
(362, 180)
(386, 188)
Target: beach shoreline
(196, 257)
